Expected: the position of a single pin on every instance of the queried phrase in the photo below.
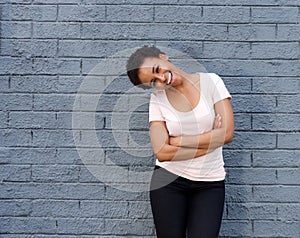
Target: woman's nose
(161, 77)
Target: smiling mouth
(169, 78)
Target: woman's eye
(157, 69)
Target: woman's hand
(177, 140)
(174, 140)
(217, 122)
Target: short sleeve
(220, 91)
(155, 113)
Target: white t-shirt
(209, 167)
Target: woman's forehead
(149, 62)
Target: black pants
(185, 208)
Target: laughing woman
(191, 118)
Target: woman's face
(159, 73)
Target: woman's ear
(163, 57)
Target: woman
(190, 119)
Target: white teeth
(169, 79)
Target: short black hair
(137, 59)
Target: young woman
(190, 119)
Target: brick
(253, 103)
(33, 84)
(52, 190)
(56, 1)
(69, 84)
(12, 137)
(276, 228)
(240, 2)
(275, 85)
(290, 140)
(116, 194)
(139, 103)
(288, 176)
(288, 103)
(253, 140)
(226, 50)
(238, 193)
(56, 30)
(76, 48)
(171, 32)
(83, 120)
(29, 48)
(110, 67)
(53, 102)
(55, 66)
(103, 138)
(27, 13)
(181, 49)
(52, 208)
(226, 14)
(274, 50)
(237, 84)
(3, 120)
(274, 15)
(4, 84)
(139, 139)
(251, 68)
(53, 138)
(290, 212)
(242, 121)
(246, 32)
(276, 193)
(289, 32)
(130, 157)
(276, 122)
(236, 228)
(119, 84)
(127, 121)
(104, 103)
(19, 30)
(237, 158)
(32, 120)
(178, 14)
(251, 176)
(103, 173)
(55, 173)
(16, 1)
(141, 227)
(15, 208)
(81, 13)
(79, 226)
(115, 103)
(100, 209)
(276, 158)
(15, 173)
(90, 156)
(253, 211)
(27, 225)
(118, 2)
(131, 13)
(26, 156)
(13, 65)
(139, 209)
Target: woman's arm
(221, 134)
(166, 152)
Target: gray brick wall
(48, 184)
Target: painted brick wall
(48, 47)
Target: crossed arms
(187, 147)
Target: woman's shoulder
(211, 77)
(157, 95)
